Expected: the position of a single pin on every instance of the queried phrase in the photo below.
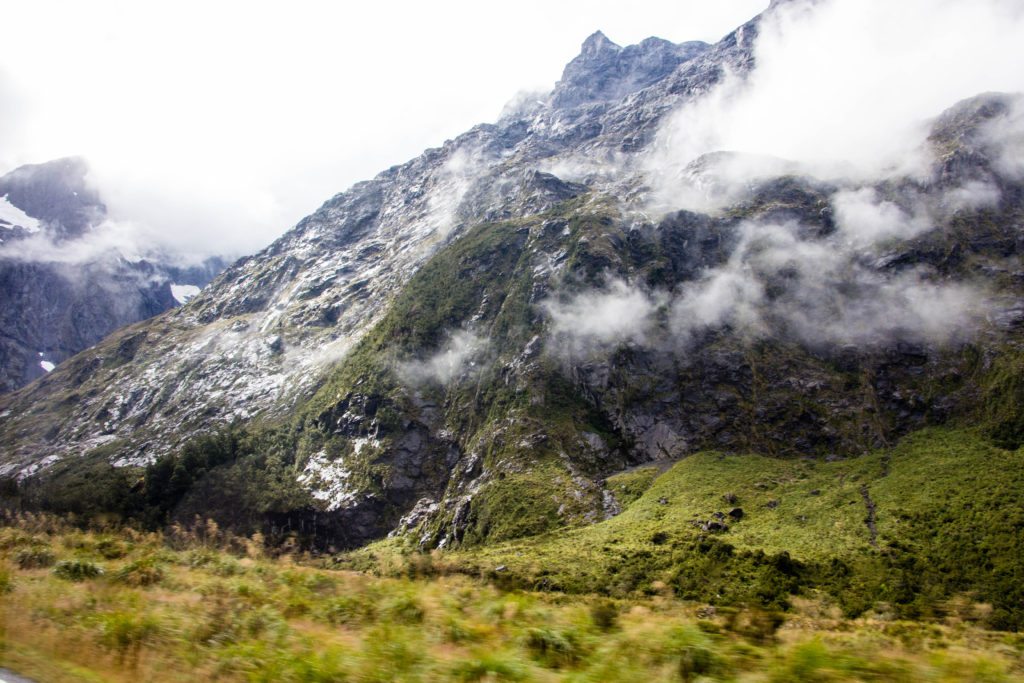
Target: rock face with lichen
(463, 348)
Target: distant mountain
(53, 196)
(57, 298)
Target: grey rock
(605, 72)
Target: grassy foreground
(118, 605)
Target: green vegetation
(630, 485)
(945, 506)
(1002, 407)
(213, 613)
(245, 478)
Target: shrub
(695, 661)
(145, 571)
(34, 557)
(390, 654)
(488, 668)
(111, 548)
(6, 583)
(754, 624)
(691, 649)
(604, 614)
(125, 631)
(227, 566)
(14, 538)
(554, 649)
(457, 630)
(76, 570)
(349, 609)
(405, 609)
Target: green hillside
(904, 530)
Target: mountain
(263, 335)
(484, 344)
(61, 289)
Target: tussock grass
(187, 608)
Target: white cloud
(777, 282)
(1006, 134)
(864, 219)
(821, 294)
(726, 296)
(594, 320)
(972, 195)
(462, 352)
(846, 87)
(110, 239)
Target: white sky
(215, 126)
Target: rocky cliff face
(56, 300)
(465, 346)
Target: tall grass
(197, 604)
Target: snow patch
(358, 444)
(327, 480)
(182, 293)
(11, 216)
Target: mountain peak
(596, 43)
(56, 192)
(605, 71)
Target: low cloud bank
(776, 283)
(781, 281)
(462, 352)
(593, 321)
(109, 239)
(841, 89)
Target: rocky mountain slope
(464, 349)
(59, 292)
(264, 335)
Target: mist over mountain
(68, 276)
(786, 243)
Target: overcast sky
(217, 125)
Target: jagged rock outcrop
(605, 72)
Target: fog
(842, 88)
(462, 352)
(845, 92)
(594, 321)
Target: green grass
(630, 485)
(211, 614)
(949, 515)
